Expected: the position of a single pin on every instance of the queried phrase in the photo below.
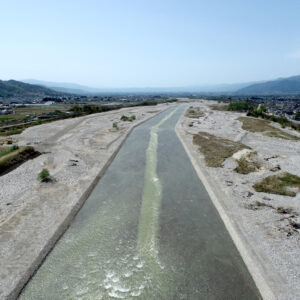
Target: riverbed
(148, 231)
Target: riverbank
(33, 215)
(259, 223)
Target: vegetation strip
(279, 184)
(16, 157)
(260, 111)
(194, 113)
(264, 127)
(75, 111)
(216, 149)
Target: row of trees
(260, 112)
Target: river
(148, 231)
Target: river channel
(148, 231)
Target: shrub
(44, 175)
(247, 165)
(240, 106)
(130, 119)
(115, 126)
(16, 157)
(14, 147)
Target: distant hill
(81, 89)
(281, 86)
(65, 87)
(13, 88)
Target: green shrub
(115, 126)
(14, 147)
(44, 175)
(240, 106)
(130, 119)
(11, 132)
(16, 157)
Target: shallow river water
(148, 231)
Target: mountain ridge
(280, 86)
(81, 89)
(13, 88)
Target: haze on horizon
(139, 43)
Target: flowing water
(148, 231)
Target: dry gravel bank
(33, 215)
(260, 223)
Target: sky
(149, 43)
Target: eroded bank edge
(261, 270)
(16, 291)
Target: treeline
(76, 111)
(243, 106)
(256, 111)
(91, 108)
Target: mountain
(13, 88)
(281, 86)
(65, 87)
(81, 89)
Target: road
(148, 231)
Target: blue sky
(149, 43)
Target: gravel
(269, 233)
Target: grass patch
(264, 127)
(278, 184)
(219, 107)
(194, 112)
(21, 112)
(11, 132)
(16, 157)
(5, 118)
(7, 150)
(247, 165)
(216, 149)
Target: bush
(130, 119)
(44, 175)
(13, 158)
(14, 147)
(240, 106)
(115, 126)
